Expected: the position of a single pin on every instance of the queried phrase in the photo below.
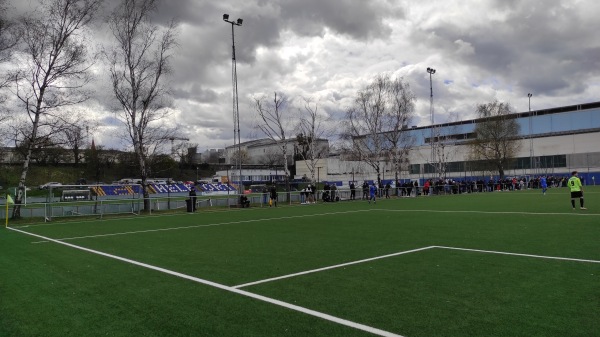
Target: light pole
(227, 180)
(530, 136)
(169, 182)
(236, 111)
(318, 177)
(432, 140)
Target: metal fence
(56, 209)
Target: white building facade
(553, 142)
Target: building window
(415, 168)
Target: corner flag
(9, 201)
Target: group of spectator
(330, 192)
(452, 186)
(307, 195)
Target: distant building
(553, 142)
(213, 156)
(268, 152)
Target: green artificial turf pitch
(526, 265)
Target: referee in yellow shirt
(576, 190)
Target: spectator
(193, 198)
(365, 190)
(244, 202)
(273, 200)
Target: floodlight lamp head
(430, 70)
(529, 95)
(225, 17)
(239, 22)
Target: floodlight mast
(531, 162)
(432, 140)
(236, 111)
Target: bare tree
(497, 134)
(138, 64)
(54, 69)
(275, 123)
(75, 135)
(400, 111)
(312, 128)
(446, 139)
(242, 155)
(366, 122)
(181, 152)
(270, 158)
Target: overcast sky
(328, 49)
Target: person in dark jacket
(193, 198)
(273, 201)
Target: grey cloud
(540, 46)
(358, 19)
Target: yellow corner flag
(9, 201)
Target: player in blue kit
(372, 193)
(544, 185)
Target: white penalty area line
(332, 267)
(205, 225)
(286, 305)
(407, 252)
(518, 254)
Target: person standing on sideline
(543, 184)
(373, 193)
(352, 191)
(193, 198)
(273, 200)
(576, 190)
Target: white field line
(286, 305)
(259, 208)
(580, 213)
(331, 267)
(518, 254)
(411, 251)
(206, 225)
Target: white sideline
(206, 225)
(331, 267)
(486, 212)
(290, 306)
(518, 254)
(305, 215)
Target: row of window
(518, 163)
